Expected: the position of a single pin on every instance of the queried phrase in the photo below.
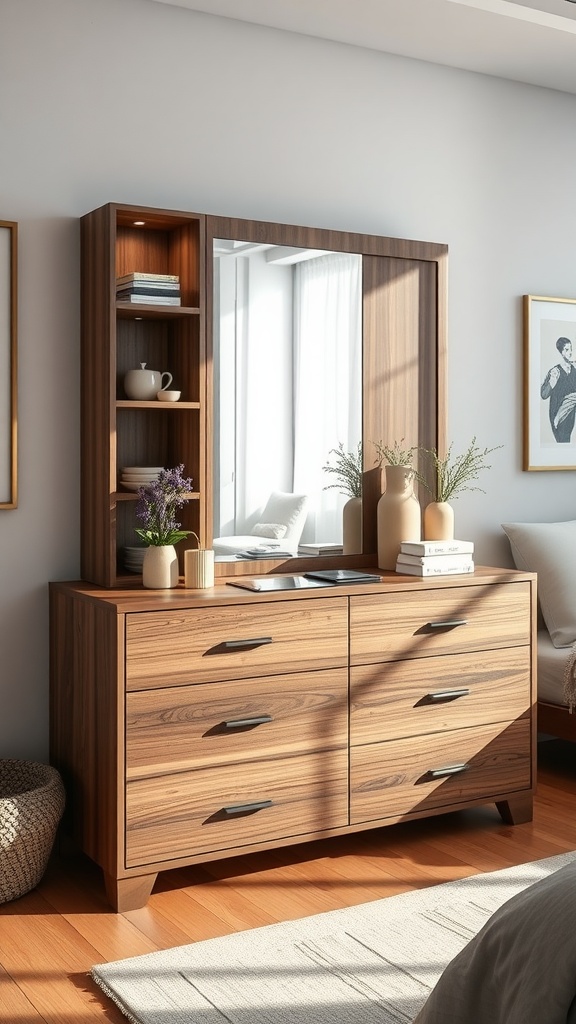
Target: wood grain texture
(115, 339)
(556, 721)
(167, 649)
(189, 813)
(409, 625)
(164, 648)
(404, 339)
(403, 698)
(50, 938)
(393, 779)
(86, 724)
(180, 728)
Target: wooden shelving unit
(116, 431)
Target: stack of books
(436, 557)
(321, 548)
(149, 289)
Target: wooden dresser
(194, 725)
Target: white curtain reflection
(288, 365)
(327, 380)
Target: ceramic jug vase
(399, 515)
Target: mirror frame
(404, 299)
(9, 355)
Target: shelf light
(139, 223)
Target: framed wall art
(549, 383)
(8, 365)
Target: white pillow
(549, 549)
(274, 530)
(289, 509)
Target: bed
(549, 549)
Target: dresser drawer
(406, 698)
(177, 728)
(417, 624)
(235, 642)
(192, 813)
(394, 779)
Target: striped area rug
(375, 963)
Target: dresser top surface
(135, 598)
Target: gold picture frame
(549, 383)
(8, 364)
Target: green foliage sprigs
(397, 455)
(347, 469)
(456, 473)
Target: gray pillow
(549, 549)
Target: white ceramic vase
(438, 521)
(352, 527)
(198, 568)
(399, 515)
(160, 567)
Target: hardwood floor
(50, 938)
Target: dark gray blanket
(520, 968)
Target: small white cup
(198, 568)
(168, 396)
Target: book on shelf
(171, 289)
(137, 276)
(437, 547)
(152, 300)
(320, 548)
(442, 560)
(466, 567)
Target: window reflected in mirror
(288, 398)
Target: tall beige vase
(352, 527)
(399, 515)
(438, 521)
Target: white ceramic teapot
(143, 385)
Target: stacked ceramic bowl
(134, 477)
(133, 557)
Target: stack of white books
(320, 548)
(436, 557)
(149, 289)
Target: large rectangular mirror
(320, 344)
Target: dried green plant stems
(347, 469)
(395, 455)
(456, 473)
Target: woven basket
(31, 805)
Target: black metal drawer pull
(445, 695)
(453, 769)
(240, 723)
(232, 645)
(258, 805)
(447, 624)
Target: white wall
(133, 101)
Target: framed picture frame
(8, 364)
(549, 383)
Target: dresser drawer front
(394, 779)
(407, 698)
(184, 727)
(192, 813)
(418, 624)
(235, 642)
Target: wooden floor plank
(50, 938)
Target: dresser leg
(517, 810)
(129, 893)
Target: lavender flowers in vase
(157, 505)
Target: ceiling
(532, 41)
